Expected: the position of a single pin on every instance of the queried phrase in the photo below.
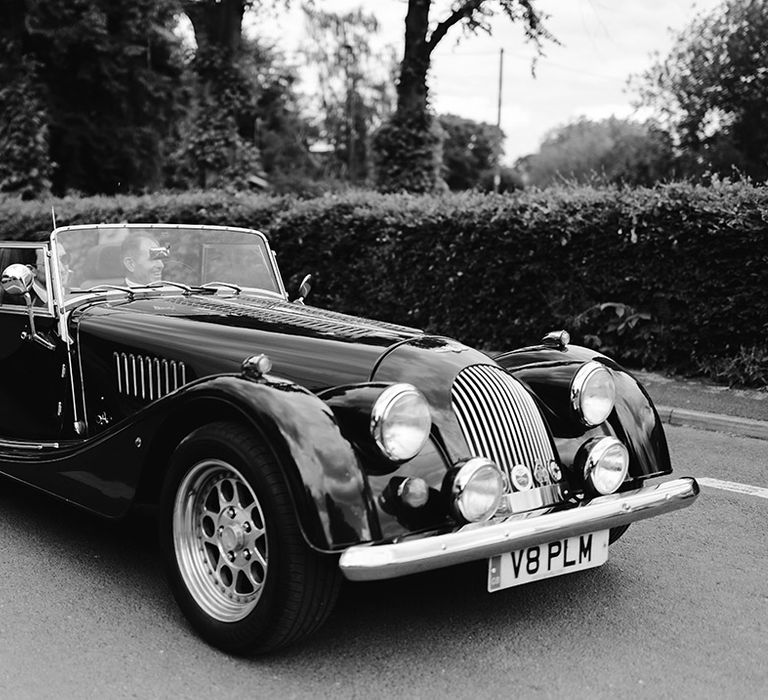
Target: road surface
(679, 610)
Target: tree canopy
(101, 79)
(611, 150)
(471, 151)
(104, 96)
(711, 90)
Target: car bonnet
(213, 334)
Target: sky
(602, 43)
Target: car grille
(499, 418)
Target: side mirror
(304, 289)
(17, 280)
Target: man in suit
(142, 259)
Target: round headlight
(476, 490)
(606, 466)
(400, 422)
(593, 393)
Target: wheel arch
(324, 478)
(192, 414)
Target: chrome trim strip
(157, 374)
(481, 540)
(521, 501)
(18, 445)
(119, 373)
(39, 311)
(174, 376)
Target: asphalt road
(680, 610)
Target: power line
(540, 62)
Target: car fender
(325, 480)
(548, 372)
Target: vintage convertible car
(286, 446)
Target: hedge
(671, 277)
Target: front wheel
(236, 560)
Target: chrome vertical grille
(148, 377)
(499, 418)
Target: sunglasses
(160, 253)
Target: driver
(142, 260)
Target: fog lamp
(476, 490)
(413, 492)
(606, 465)
(593, 393)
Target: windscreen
(136, 256)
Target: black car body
(286, 445)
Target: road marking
(734, 486)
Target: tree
(711, 91)
(611, 150)
(214, 146)
(355, 81)
(89, 86)
(243, 126)
(222, 140)
(25, 164)
(471, 151)
(408, 145)
(280, 132)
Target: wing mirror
(17, 281)
(304, 289)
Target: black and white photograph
(384, 348)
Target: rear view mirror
(304, 289)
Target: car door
(33, 375)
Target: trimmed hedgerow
(670, 277)
(33, 220)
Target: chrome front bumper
(479, 541)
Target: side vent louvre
(148, 378)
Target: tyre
(236, 560)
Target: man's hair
(131, 244)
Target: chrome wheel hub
(231, 539)
(220, 540)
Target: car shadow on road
(441, 615)
(397, 618)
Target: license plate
(547, 560)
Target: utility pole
(349, 68)
(497, 174)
